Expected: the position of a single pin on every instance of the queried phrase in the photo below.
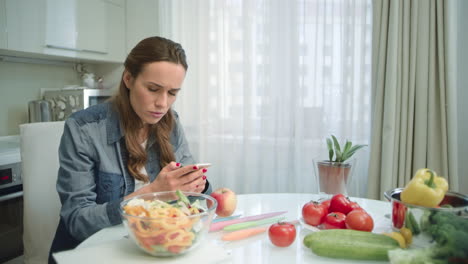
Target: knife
(239, 226)
(221, 225)
(246, 233)
(225, 218)
(243, 234)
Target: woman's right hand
(172, 177)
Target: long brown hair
(152, 49)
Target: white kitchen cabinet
(25, 25)
(3, 35)
(76, 25)
(60, 27)
(80, 30)
(92, 26)
(120, 3)
(114, 36)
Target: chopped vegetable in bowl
(168, 223)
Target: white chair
(39, 159)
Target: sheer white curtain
(268, 82)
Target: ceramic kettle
(39, 111)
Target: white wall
(111, 74)
(21, 83)
(142, 21)
(462, 96)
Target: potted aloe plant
(334, 173)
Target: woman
(132, 145)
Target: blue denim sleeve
(77, 188)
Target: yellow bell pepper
(407, 234)
(425, 189)
(398, 237)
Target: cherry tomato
(358, 209)
(326, 205)
(335, 220)
(354, 206)
(282, 234)
(313, 213)
(359, 220)
(340, 203)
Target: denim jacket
(93, 177)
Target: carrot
(244, 233)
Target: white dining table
(112, 245)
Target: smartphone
(203, 165)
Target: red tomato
(340, 203)
(359, 220)
(313, 213)
(354, 206)
(326, 205)
(358, 209)
(335, 220)
(175, 249)
(282, 234)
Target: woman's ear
(127, 78)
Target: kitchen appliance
(64, 102)
(416, 217)
(39, 111)
(10, 166)
(457, 204)
(11, 199)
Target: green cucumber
(408, 223)
(425, 221)
(350, 244)
(414, 224)
(183, 198)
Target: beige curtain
(413, 93)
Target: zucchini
(350, 244)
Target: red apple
(227, 201)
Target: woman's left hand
(189, 178)
(194, 180)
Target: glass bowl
(158, 226)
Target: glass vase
(333, 177)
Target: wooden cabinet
(88, 30)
